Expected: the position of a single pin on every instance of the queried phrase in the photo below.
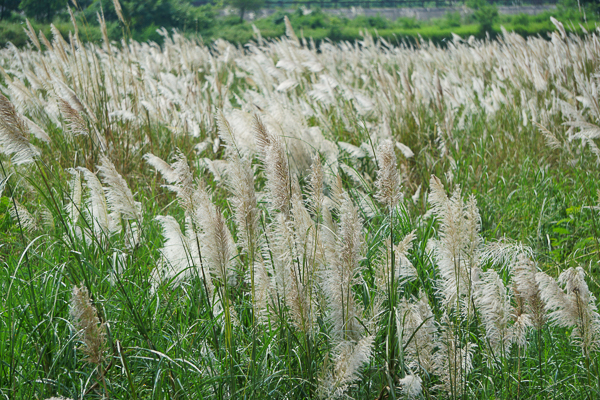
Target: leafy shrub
(484, 14)
(408, 23)
(452, 19)
(521, 19)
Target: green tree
(7, 7)
(142, 13)
(246, 5)
(43, 10)
(484, 13)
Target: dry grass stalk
(90, 331)
(14, 134)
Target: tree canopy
(246, 5)
(42, 10)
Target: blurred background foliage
(229, 19)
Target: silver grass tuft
(571, 304)
(90, 331)
(14, 135)
(388, 180)
(493, 301)
(348, 358)
(118, 195)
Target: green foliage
(7, 7)
(246, 5)
(452, 19)
(484, 13)
(521, 19)
(42, 10)
(408, 23)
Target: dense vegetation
(282, 221)
(141, 19)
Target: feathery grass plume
(22, 216)
(526, 288)
(504, 252)
(181, 181)
(104, 30)
(76, 125)
(349, 357)
(263, 291)
(119, 11)
(31, 35)
(245, 205)
(344, 311)
(493, 301)
(308, 261)
(287, 289)
(275, 161)
(73, 206)
(217, 243)
(262, 137)
(118, 195)
(58, 398)
(3, 181)
(161, 166)
(411, 386)
(572, 306)
(289, 31)
(103, 222)
(36, 130)
(228, 135)
(14, 135)
(180, 257)
(404, 268)
(453, 361)
(315, 186)
(90, 331)
(388, 180)
(456, 249)
(416, 327)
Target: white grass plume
(97, 207)
(453, 361)
(14, 135)
(90, 331)
(344, 311)
(493, 301)
(570, 304)
(411, 386)
(217, 244)
(527, 289)
(76, 125)
(118, 195)
(3, 182)
(180, 257)
(315, 186)
(73, 206)
(456, 251)
(416, 326)
(348, 359)
(278, 176)
(22, 216)
(388, 180)
(161, 166)
(245, 204)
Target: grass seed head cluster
(285, 221)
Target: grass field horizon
(359, 220)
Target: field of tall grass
(280, 221)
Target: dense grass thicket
(281, 221)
